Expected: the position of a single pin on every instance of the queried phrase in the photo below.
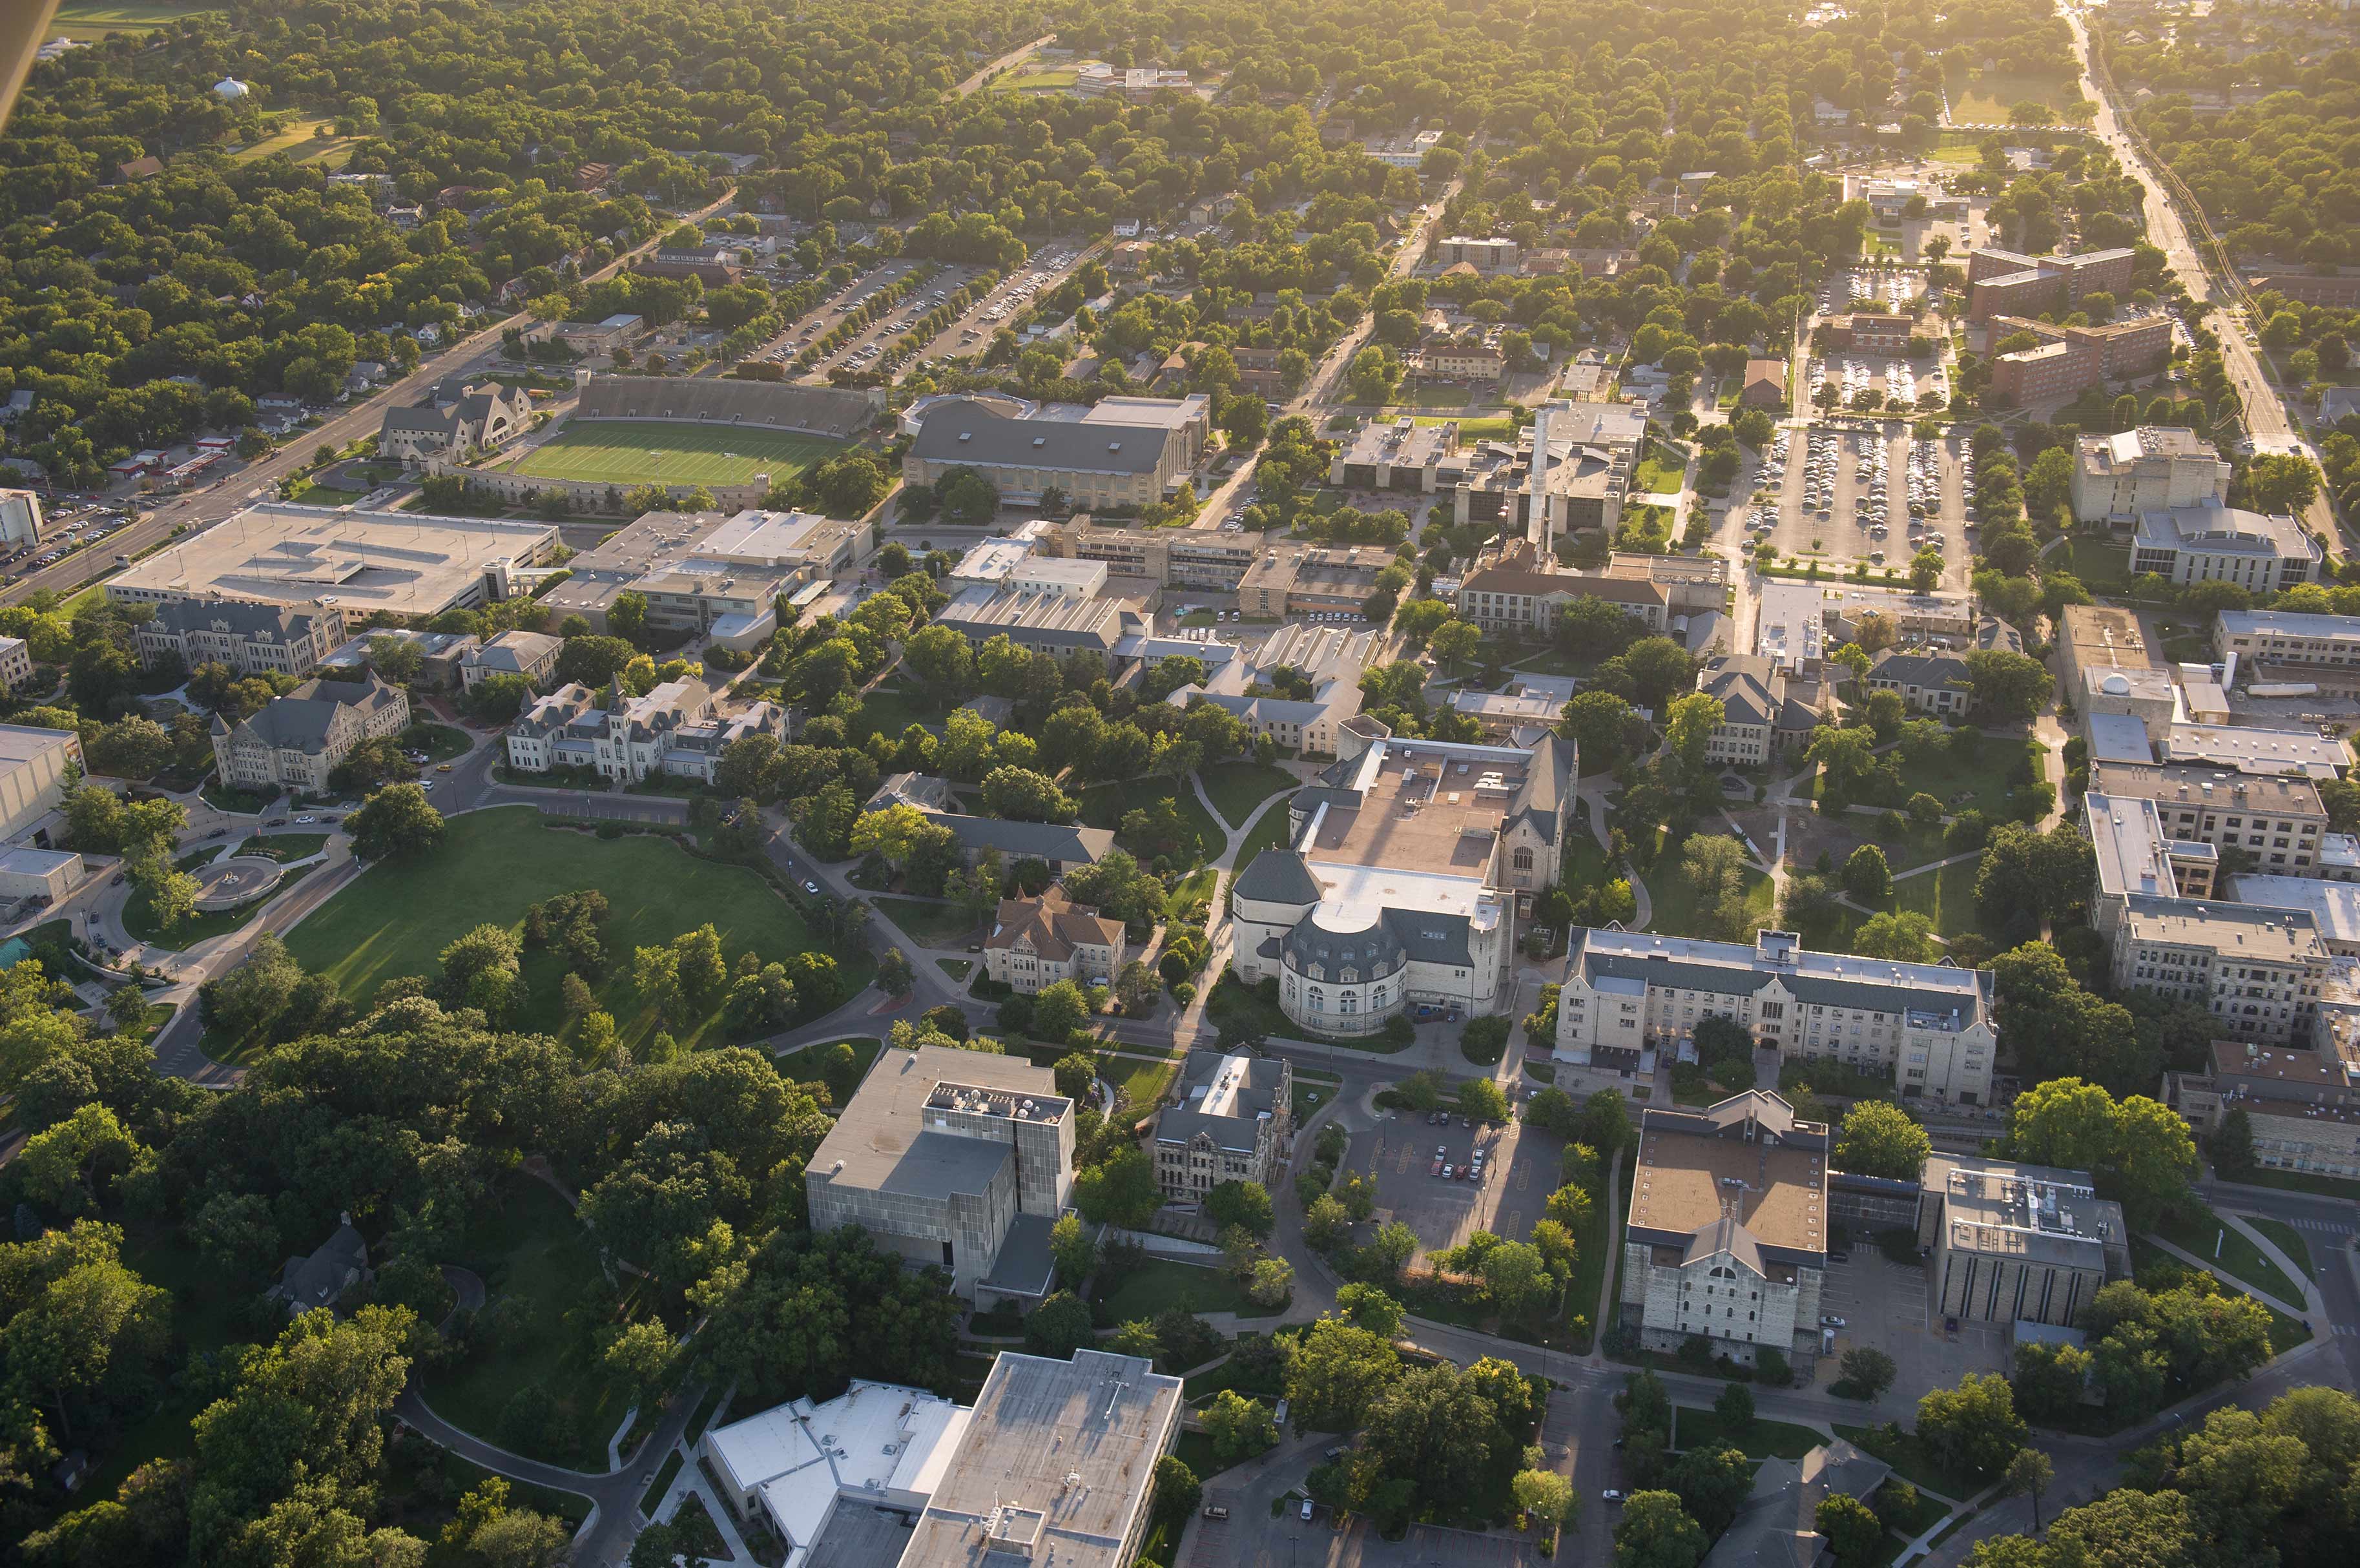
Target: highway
(2266, 413)
(259, 480)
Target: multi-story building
(1300, 687)
(2098, 637)
(954, 1160)
(1180, 558)
(531, 657)
(2225, 544)
(2069, 360)
(532, 738)
(15, 664)
(2286, 637)
(1135, 84)
(1401, 877)
(1512, 592)
(1929, 681)
(1765, 709)
(1121, 452)
(1463, 360)
(2333, 906)
(711, 575)
(1396, 454)
(1727, 1235)
(1230, 1122)
(1036, 943)
(294, 742)
(1302, 582)
(2275, 820)
(20, 515)
(1765, 384)
(2150, 469)
(1483, 255)
(675, 730)
(2013, 1243)
(1873, 333)
(2135, 858)
(2303, 1106)
(34, 765)
(1059, 845)
(1045, 623)
(2007, 281)
(2258, 970)
(455, 419)
(252, 637)
(1627, 994)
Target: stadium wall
(833, 411)
(590, 496)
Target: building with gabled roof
(1779, 1524)
(317, 1282)
(1630, 995)
(1036, 943)
(456, 418)
(1229, 1122)
(294, 742)
(1928, 680)
(531, 657)
(252, 637)
(1329, 658)
(1764, 708)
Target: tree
(1075, 1249)
(1689, 726)
(1878, 1139)
(1853, 1529)
(1601, 723)
(1059, 1327)
(1177, 1490)
(1514, 1278)
(2008, 685)
(1907, 936)
(1335, 1371)
(2049, 1380)
(1239, 1427)
(1866, 876)
(1656, 1531)
(1271, 1283)
(1243, 1204)
(1734, 1406)
(1868, 1370)
(1482, 1100)
(1058, 1010)
(594, 661)
(394, 823)
(2027, 1476)
(1544, 1495)
(172, 893)
(1365, 1306)
(1972, 1427)
(1022, 795)
(2233, 1144)
(1122, 1191)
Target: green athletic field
(647, 451)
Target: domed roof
(1372, 951)
(1277, 877)
(231, 87)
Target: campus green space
(139, 920)
(1160, 1284)
(1678, 908)
(889, 710)
(1694, 1428)
(644, 451)
(2198, 1232)
(804, 1065)
(1269, 832)
(208, 1311)
(929, 924)
(397, 917)
(1105, 805)
(1946, 897)
(1992, 96)
(529, 1248)
(1239, 789)
(2285, 1238)
(285, 846)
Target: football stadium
(645, 452)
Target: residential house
(1929, 681)
(316, 1283)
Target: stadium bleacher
(768, 405)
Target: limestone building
(2302, 1105)
(297, 740)
(2149, 469)
(252, 637)
(955, 1159)
(1036, 943)
(1233, 1118)
(1727, 1235)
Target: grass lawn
(2101, 566)
(1269, 830)
(1555, 661)
(528, 1244)
(890, 710)
(1313, 1089)
(802, 1065)
(1694, 1428)
(441, 743)
(1196, 1451)
(633, 451)
(285, 846)
(1659, 473)
(1678, 911)
(1418, 394)
(1585, 865)
(296, 138)
(1160, 1284)
(398, 916)
(1912, 1462)
(1065, 76)
(1104, 806)
(1239, 787)
(1980, 780)
(2287, 1240)
(653, 1497)
(2292, 1181)
(2198, 1235)
(1922, 1518)
(1483, 427)
(1191, 896)
(89, 18)
(931, 924)
(1946, 896)
(1141, 1079)
(222, 798)
(957, 968)
(1989, 96)
(139, 917)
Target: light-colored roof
(406, 561)
(1750, 1148)
(2223, 530)
(2231, 931)
(873, 1440)
(883, 1129)
(2333, 907)
(2253, 751)
(2287, 623)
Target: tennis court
(650, 452)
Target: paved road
(1011, 58)
(259, 480)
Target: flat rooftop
(2030, 1212)
(2187, 787)
(1425, 809)
(2132, 852)
(1401, 443)
(2334, 907)
(880, 1130)
(1055, 1463)
(409, 562)
(19, 743)
(2287, 623)
(2324, 1084)
(1683, 1179)
(2257, 751)
(2234, 932)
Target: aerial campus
(888, 786)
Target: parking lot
(1832, 481)
(1402, 1154)
(1887, 1306)
(968, 334)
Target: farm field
(95, 18)
(637, 452)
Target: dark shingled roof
(1278, 877)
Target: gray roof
(1277, 877)
(962, 431)
(1025, 1265)
(249, 618)
(1546, 782)
(1778, 1526)
(300, 720)
(1376, 951)
(514, 652)
(1048, 841)
(1927, 668)
(317, 1281)
(940, 1162)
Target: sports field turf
(643, 452)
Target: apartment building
(1765, 709)
(251, 636)
(1930, 1026)
(2136, 859)
(2225, 544)
(1727, 1233)
(2150, 469)
(2286, 637)
(2258, 970)
(2303, 1106)
(2001, 281)
(2275, 820)
(2070, 360)
(1233, 1115)
(1462, 359)
(294, 742)
(1873, 333)
(1037, 942)
(1483, 255)
(954, 1160)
